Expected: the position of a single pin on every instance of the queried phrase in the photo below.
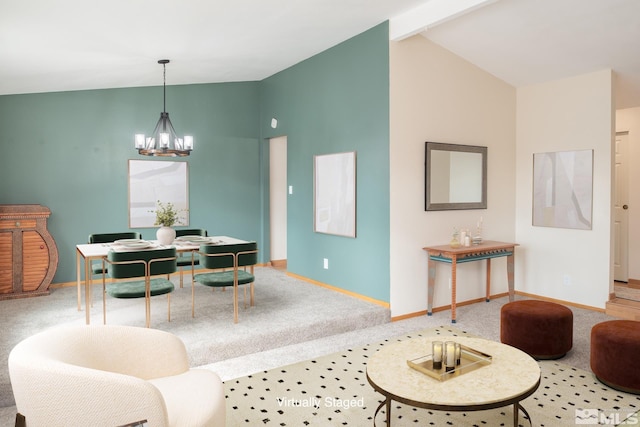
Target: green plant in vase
(166, 216)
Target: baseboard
(445, 307)
(333, 288)
(387, 305)
(559, 301)
(473, 301)
(279, 263)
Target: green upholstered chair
(234, 267)
(96, 267)
(140, 264)
(189, 259)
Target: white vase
(165, 235)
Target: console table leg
(510, 275)
(488, 298)
(454, 270)
(431, 284)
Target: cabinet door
(35, 260)
(6, 262)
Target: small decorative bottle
(455, 243)
(477, 239)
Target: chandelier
(164, 141)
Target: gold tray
(470, 360)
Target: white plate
(127, 241)
(136, 245)
(193, 239)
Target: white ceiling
(525, 42)
(62, 45)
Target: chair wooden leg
(147, 315)
(244, 296)
(147, 303)
(251, 294)
(169, 307)
(181, 279)
(193, 299)
(104, 301)
(91, 288)
(235, 303)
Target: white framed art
(334, 190)
(151, 181)
(563, 189)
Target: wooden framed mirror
(455, 177)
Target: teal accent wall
(334, 102)
(69, 151)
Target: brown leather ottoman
(615, 346)
(542, 329)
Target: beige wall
(437, 96)
(628, 120)
(570, 114)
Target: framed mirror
(455, 177)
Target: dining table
(88, 252)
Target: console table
(454, 256)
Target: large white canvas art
(335, 194)
(563, 189)
(151, 181)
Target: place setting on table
(125, 245)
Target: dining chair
(140, 264)
(234, 265)
(96, 267)
(189, 259)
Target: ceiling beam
(430, 14)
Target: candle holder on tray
(449, 360)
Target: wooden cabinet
(28, 253)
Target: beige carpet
(333, 390)
(287, 311)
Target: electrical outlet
(326, 264)
(566, 280)
(291, 189)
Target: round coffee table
(511, 377)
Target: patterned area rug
(333, 390)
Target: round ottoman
(615, 346)
(542, 329)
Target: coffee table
(511, 377)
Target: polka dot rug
(333, 390)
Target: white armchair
(112, 376)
